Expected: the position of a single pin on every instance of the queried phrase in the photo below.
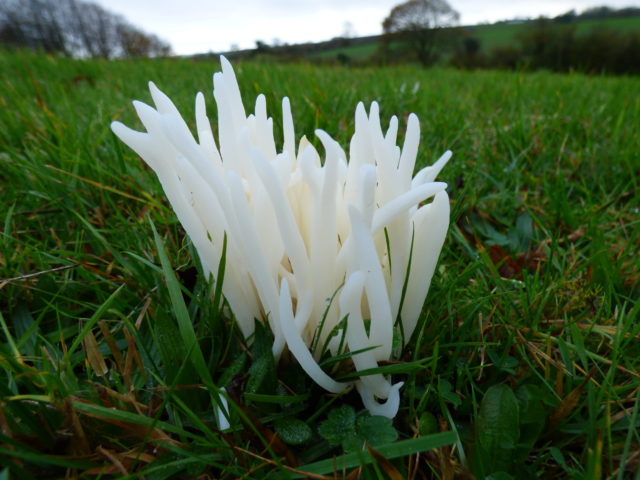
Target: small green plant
(355, 431)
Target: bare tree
(136, 44)
(48, 23)
(80, 28)
(103, 30)
(12, 32)
(74, 27)
(417, 24)
(32, 23)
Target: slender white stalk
(298, 348)
(222, 410)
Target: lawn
(526, 361)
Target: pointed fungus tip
(225, 64)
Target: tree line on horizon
(425, 31)
(74, 28)
(557, 44)
(418, 31)
(545, 45)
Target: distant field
(356, 52)
(526, 361)
(491, 36)
(497, 35)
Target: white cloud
(473, 11)
(194, 26)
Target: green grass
(111, 349)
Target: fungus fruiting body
(335, 254)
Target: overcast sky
(197, 26)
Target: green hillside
(355, 52)
(501, 34)
(490, 36)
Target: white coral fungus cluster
(335, 253)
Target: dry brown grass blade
(355, 474)
(143, 312)
(138, 456)
(120, 461)
(286, 467)
(79, 439)
(570, 402)
(632, 464)
(559, 384)
(601, 359)
(27, 276)
(609, 330)
(127, 398)
(386, 465)
(107, 274)
(624, 413)
(132, 358)
(274, 443)
(113, 458)
(113, 347)
(444, 461)
(93, 355)
(278, 446)
(135, 430)
(539, 355)
(4, 426)
(99, 185)
(102, 471)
